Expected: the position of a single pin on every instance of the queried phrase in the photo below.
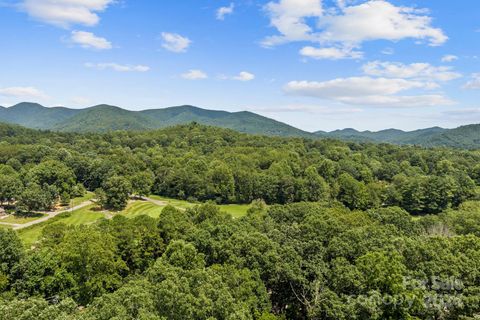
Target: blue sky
(318, 65)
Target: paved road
(52, 214)
(49, 215)
(157, 202)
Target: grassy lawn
(76, 201)
(23, 218)
(236, 210)
(90, 214)
(84, 215)
(30, 235)
(181, 204)
(86, 197)
(137, 208)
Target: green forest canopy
(338, 241)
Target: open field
(236, 210)
(91, 214)
(86, 197)
(137, 208)
(84, 215)
(81, 216)
(21, 219)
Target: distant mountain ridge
(466, 137)
(102, 118)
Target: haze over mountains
(103, 118)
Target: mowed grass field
(85, 215)
(21, 219)
(137, 208)
(236, 210)
(91, 214)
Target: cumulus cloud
(424, 71)
(244, 76)
(330, 53)
(22, 93)
(474, 83)
(348, 26)
(289, 18)
(117, 67)
(194, 74)
(64, 13)
(449, 58)
(175, 42)
(378, 19)
(368, 91)
(224, 11)
(90, 41)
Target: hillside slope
(466, 137)
(35, 116)
(104, 118)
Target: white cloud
(348, 26)
(224, 11)
(117, 67)
(474, 83)
(368, 91)
(379, 20)
(292, 108)
(289, 18)
(388, 51)
(175, 42)
(194, 75)
(244, 76)
(90, 41)
(330, 53)
(419, 71)
(449, 58)
(23, 93)
(64, 13)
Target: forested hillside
(103, 118)
(467, 137)
(336, 230)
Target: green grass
(236, 210)
(90, 214)
(84, 215)
(77, 201)
(30, 235)
(181, 204)
(21, 219)
(138, 208)
(88, 196)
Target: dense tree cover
(296, 261)
(337, 241)
(196, 162)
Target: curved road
(49, 215)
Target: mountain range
(465, 137)
(103, 118)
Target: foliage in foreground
(298, 261)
